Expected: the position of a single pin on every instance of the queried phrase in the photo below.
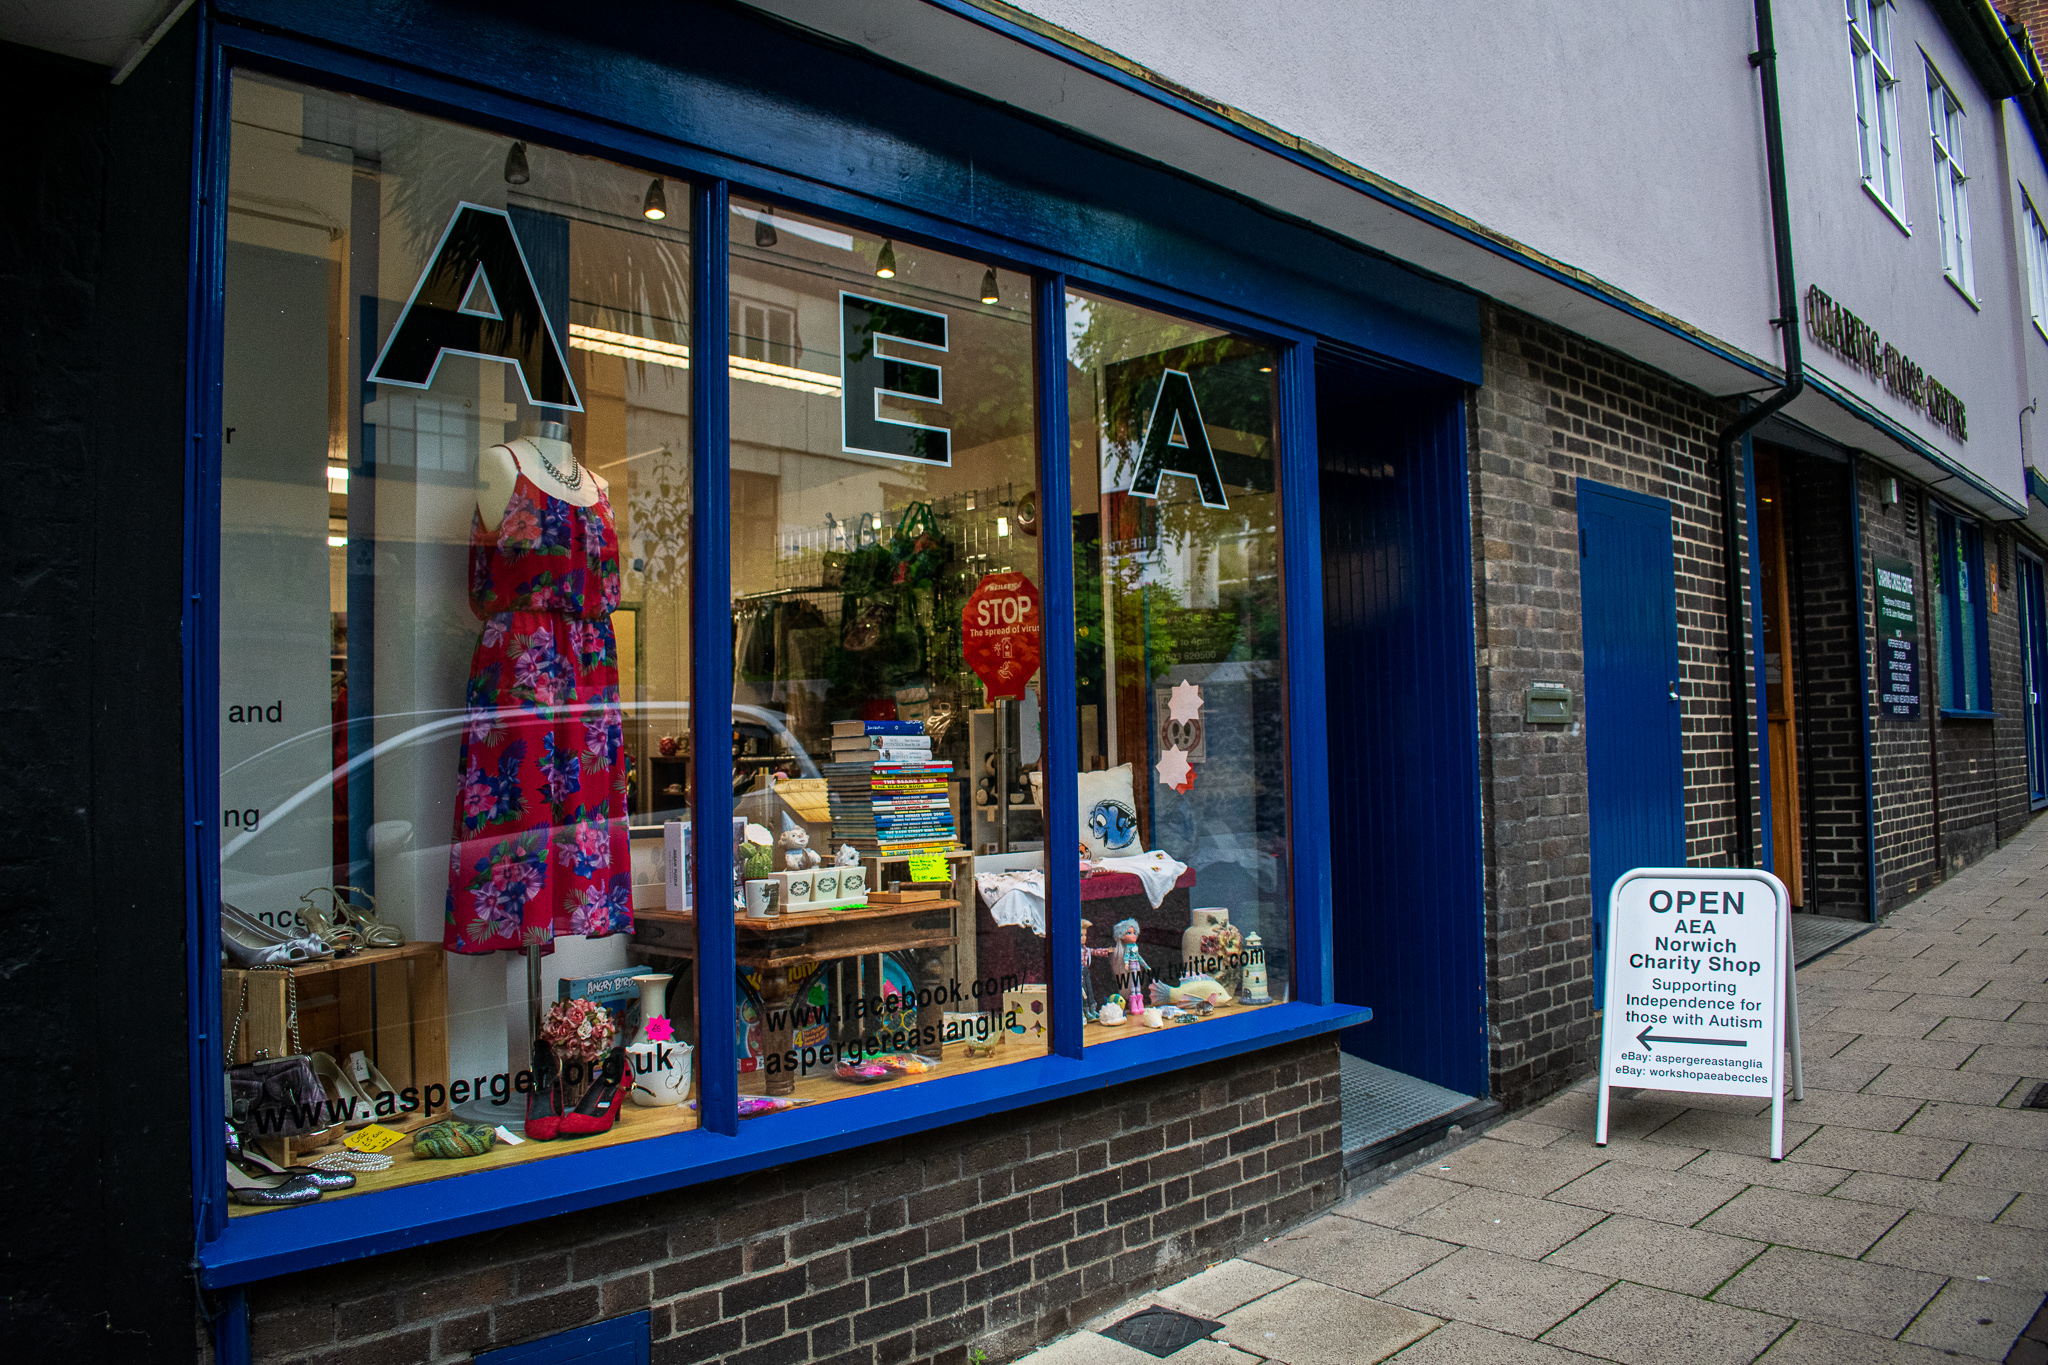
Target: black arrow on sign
(1646, 1038)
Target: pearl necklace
(573, 481)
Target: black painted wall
(95, 1186)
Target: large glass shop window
(889, 847)
(1183, 809)
(454, 649)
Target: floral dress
(540, 825)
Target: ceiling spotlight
(764, 232)
(988, 286)
(1265, 369)
(654, 207)
(515, 165)
(885, 263)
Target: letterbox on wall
(1549, 703)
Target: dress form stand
(512, 1112)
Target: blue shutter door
(1635, 770)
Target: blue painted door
(2034, 653)
(1635, 770)
(1408, 911)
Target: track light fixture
(988, 287)
(885, 263)
(515, 165)
(654, 207)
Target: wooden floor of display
(635, 1123)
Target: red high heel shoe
(600, 1105)
(544, 1104)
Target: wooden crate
(389, 1002)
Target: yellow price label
(930, 867)
(374, 1138)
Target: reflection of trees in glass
(658, 510)
(1156, 627)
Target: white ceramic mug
(763, 898)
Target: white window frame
(1877, 105)
(1946, 131)
(2036, 234)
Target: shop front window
(459, 909)
(885, 570)
(454, 648)
(1183, 791)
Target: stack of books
(886, 792)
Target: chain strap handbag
(274, 1096)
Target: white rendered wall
(1620, 138)
(1625, 140)
(1846, 243)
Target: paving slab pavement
(1907, 1226)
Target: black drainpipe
(1765, 59)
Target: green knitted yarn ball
(452, 1138)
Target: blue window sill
(1947, 714)
(264, 1245)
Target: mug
(762, 898)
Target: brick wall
(1553, 409)
(1825, 677)
(997, 1233)
(1972, 772)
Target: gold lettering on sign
(1856, 341)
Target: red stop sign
(999, 626)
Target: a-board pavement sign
(1700, 989)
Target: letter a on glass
(1176, 442)
(477, 298)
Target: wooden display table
(773, 947)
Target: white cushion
(1109, 814)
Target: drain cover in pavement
(1161, 1331)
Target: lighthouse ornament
(1254, 992)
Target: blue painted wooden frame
(252, 1249)
(1274, 274)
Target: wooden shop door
(1779, 702)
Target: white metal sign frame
(1627, 1052)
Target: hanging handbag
(275, 1096)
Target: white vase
(661, 1069)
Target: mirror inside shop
(457, 895)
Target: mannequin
(497, 471)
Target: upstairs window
(2036, 235)
(1877, 103)
(1951, 201)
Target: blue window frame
(1961, 595)
(1394, 312)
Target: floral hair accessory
(660, 1030)
(580, 1028)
